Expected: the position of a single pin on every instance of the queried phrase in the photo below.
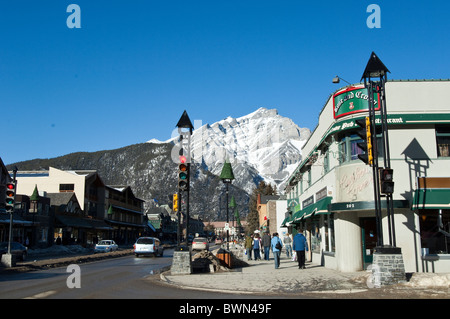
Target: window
(329, 233)
(435, 230)
(349, 150)
(443, 141)
(66, 188)
(326, 162)
(309, 177)
(316, 237)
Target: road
(126, 277)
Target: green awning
(285, 221)
(321, 207)
(431, 198)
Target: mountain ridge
(261, 146)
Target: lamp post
(376, 69)
(232, 206)
(227, 176)
(185, 129)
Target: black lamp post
(227, 176)
(185, 129)
(376, 69)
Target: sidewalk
(261, 277)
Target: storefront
(331, 195)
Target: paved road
(126, 277)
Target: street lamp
(227, 176)
(185, 129)
(376, 69)
(338, 79)
(232, 206)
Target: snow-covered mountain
(262, 145)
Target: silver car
(104, 246)
(148, 246)
(200, 243)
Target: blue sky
(134, 66)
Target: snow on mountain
(262, 145)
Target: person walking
(276, 249)
(300, 245)
(287, 241)
(248, 246)
(266, 244)
(257, 246)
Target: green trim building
(330, 194)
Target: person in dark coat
(300, 246)
(266, 240)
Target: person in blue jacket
(276, 249)
(300, 245)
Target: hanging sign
(353, 100)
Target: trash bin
(225, 257)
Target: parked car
(104, 246)
(148, 246)
(200, 243)
(17, 249)
(218, 241)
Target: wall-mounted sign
(353, 100)
(308, 201)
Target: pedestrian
(257, 246)
(266, 244)
(248, 246)
(287, 241)
(300, 245)
(276, 249)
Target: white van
(148, 246)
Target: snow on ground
(60, 250)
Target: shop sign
(321, 194)
(355, 183)
(353, 100)
(308, 201)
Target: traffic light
(175, 202)
(386, 180)
(183, 174)
(366, 145)
(10, 197)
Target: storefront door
(369, 239)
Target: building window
(316, 238)
(309, 178)
(349, 150)
(443, 141)
(66, 188)
(435, 230)
(329, 233)
(326, 162)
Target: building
(331, 195)
(162, 223)
(124, 215)
(90, 210)
(21, 227)
(266, 207)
